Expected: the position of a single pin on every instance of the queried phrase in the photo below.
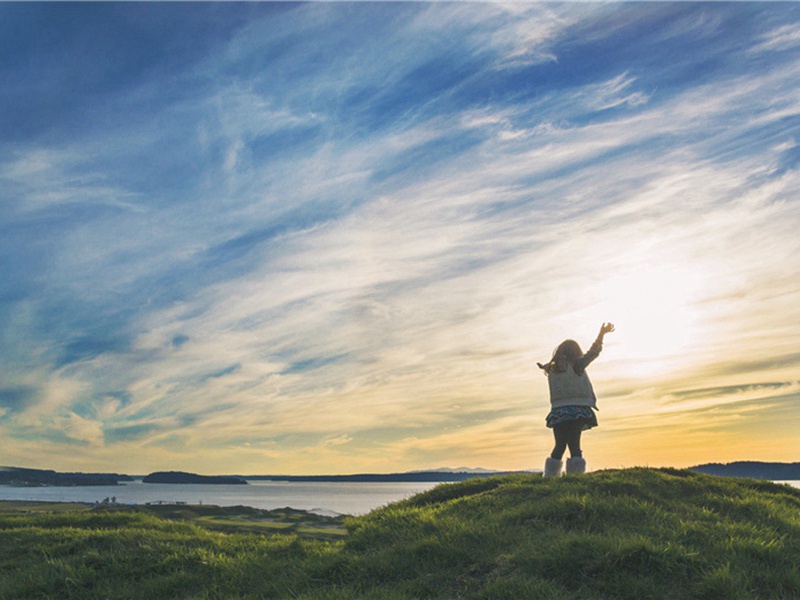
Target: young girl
(572, 401)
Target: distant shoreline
(416, 477)
(752, 470)
(23, 477)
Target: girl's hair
(567, 352)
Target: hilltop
(632, 533)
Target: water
(352, 498)
(791, 483)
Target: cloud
(615, 92)
(113, 435)
(338, 440)
(784, 37)
(47, 178)
(355, 220)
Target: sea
(326, 498)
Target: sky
(312, 238)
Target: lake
(352, 498)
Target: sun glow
(656, 313)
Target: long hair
(567, 353)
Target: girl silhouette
(572, 401)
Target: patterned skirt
(584, 414)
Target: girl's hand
(606, 328)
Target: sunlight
(656, 314)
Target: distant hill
(413, 477)
(460, 470)
(43, 477)
(752, 469)
(181, 477)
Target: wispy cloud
(347, 246)
(784, 37)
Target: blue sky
(336, 237)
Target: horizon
(138, 474)
(337, 237)
(478, 471)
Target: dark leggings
(567, 433)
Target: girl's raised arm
(596, 348)
(605, 328)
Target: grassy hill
(634, 533)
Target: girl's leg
(573, 438)
(560, 432)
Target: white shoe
(576, 466)
(552, 467)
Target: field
(633, 533)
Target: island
(752, 469)
(22, 477)
(182, 477)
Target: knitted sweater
(572, 387)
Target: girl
(572, 400)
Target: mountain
(44, 477)
(752, 469)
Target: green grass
(634, 533)
(243, 518)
